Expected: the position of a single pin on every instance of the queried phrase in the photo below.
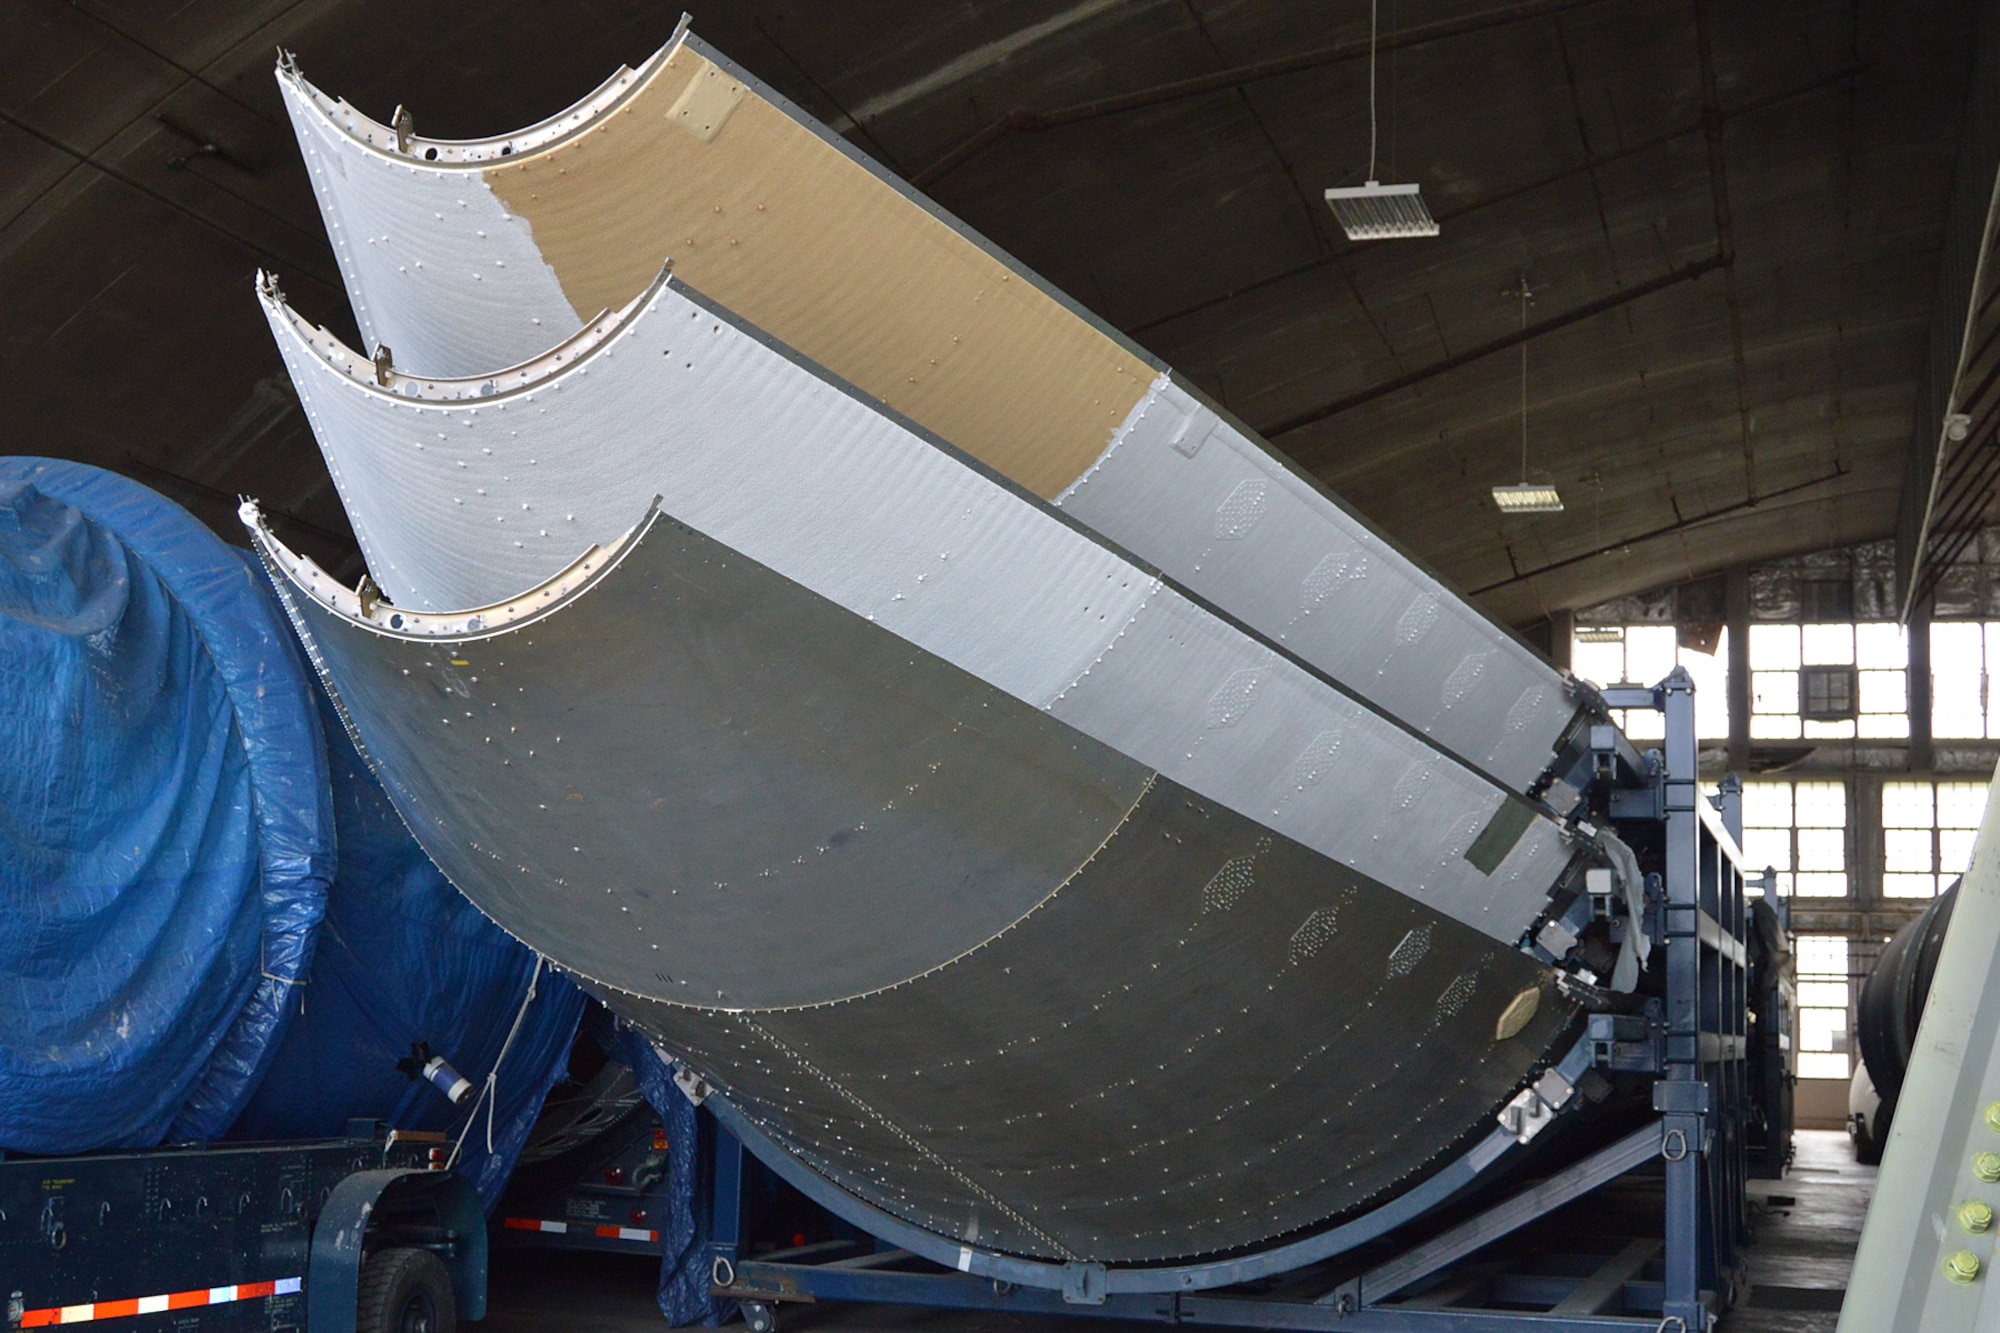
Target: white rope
(489, 1094)
(1374, 15)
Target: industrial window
(1798, 829)
(1960, 653)
(1644, 655)
(1927, 832)
(1828, 682)
(1823, 994)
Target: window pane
(1957, 680)
(1884, 691)
(1823, 995)
(1961, 804)
(1955, 850)
(1823, 1029)
(1956, 647)
(1825, 849)
(1819, 1064)
(1598, 663)
(1774, 727)
(1784, 884)
(1649, 653)
(1644, 724)
(1829, 731)
(1774, 692)
(1710, 672)
(1907, 849)
(1774, 647)
(1767, 804)
(1881, 646)
(1906, 805)
(1885, 726)
(1822, 804)
(1821, 956)
(1909, 886)
(1831, 645)
(1821, 885)
(1768, 847)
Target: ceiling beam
(1609, 301)
(1025, 121)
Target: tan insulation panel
(775, 223)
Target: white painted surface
(1190, 493)
(465, 501)
(1182, 490)
(1939, 1127)
(435, 265)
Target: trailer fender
(333, 1273)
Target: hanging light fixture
(1377, 212)
(1524, 496)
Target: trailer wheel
(404, 1291)
(759, 1317)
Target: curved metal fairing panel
(463, 492)
(679, 773)
(465, 257)
(687, 778)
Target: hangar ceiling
(1730, 217)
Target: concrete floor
(1807, 1226)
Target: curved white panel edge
(463, 501)
(436, 265)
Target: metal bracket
(1083, 1284)
(692, 1085)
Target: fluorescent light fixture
(1528, 497)
(1378, 212)
(1599, 634)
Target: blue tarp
(684, 1277)
(166, 834)
(404, 958)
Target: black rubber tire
(759, 1317)
(404, 1291)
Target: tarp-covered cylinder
(166, 831)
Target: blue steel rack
(1676, 1278)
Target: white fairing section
(1942, 1122)
(1217, 512)
(456, 287)
(463, 501)
(436, 267)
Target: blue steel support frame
(1698, 892)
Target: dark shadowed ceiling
(1729, 215)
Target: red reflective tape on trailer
(176, 1300)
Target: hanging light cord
(1524, 380)
(1374, 16)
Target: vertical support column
(1736, 610)
(1683, 1095)
(1562, 637)
(1864, 841)
(725, 1218)
(1922, 759)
